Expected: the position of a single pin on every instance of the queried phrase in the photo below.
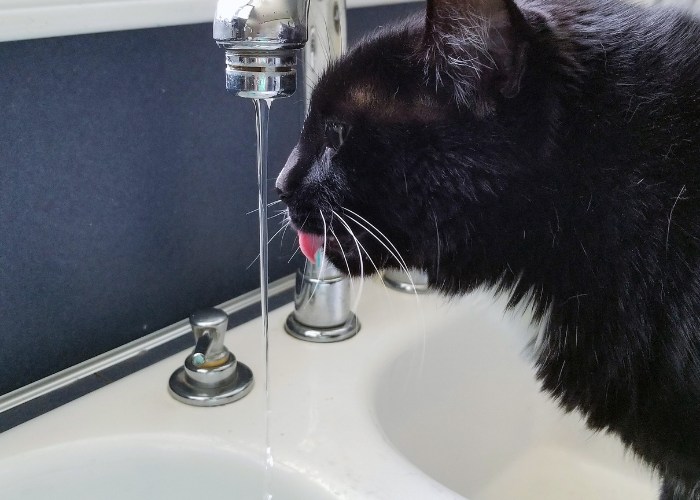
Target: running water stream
(262, 116)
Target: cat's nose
(282, 182)
(283, 195)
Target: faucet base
(186, 390)
(322, 335)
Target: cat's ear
(477, 49)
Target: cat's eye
(335, 133)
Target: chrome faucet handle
(209, 329)
(211, 375)
(322, 304)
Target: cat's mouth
(341, 252)
(347, 245)
(310, 244)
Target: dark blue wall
(126, 175)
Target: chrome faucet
(262, 39)
(322, 304)
(407, 280)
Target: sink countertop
(322, 421)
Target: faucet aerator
(261, 74)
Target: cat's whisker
(342, 251)
(376, 268)
(268, 205)
(275, 216)
(404, 267)
(374, 265)
(295, 252)
(286, 225)
(398, 258)
(288, 222)
(379, 240)
(359, 255)
(253, 262)
(285, 217)
(437, 237)
(304, 223)
(391, 253)
(345, 257)
(278, 232)
(325, 239)
(327, 46)
(358, 241)
(395, 253)
(323, 258)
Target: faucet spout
(261, 38)
(261, 24)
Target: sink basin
(140, 468)
(463, 405)
(431, 400)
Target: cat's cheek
(322, 172)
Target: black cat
(547, 148)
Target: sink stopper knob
(211, 375)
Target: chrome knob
(322, 304)
(211, 375)
(209, 329)
(410, 281)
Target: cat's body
(550, 149)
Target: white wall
(24, 19)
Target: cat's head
(406, 134)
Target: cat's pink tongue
(310, 244)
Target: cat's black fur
(549, 149)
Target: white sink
(431, 400)
(144, 467)
(464, 406)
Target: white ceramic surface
(173, 467)
(431, 400)
(463, 405)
